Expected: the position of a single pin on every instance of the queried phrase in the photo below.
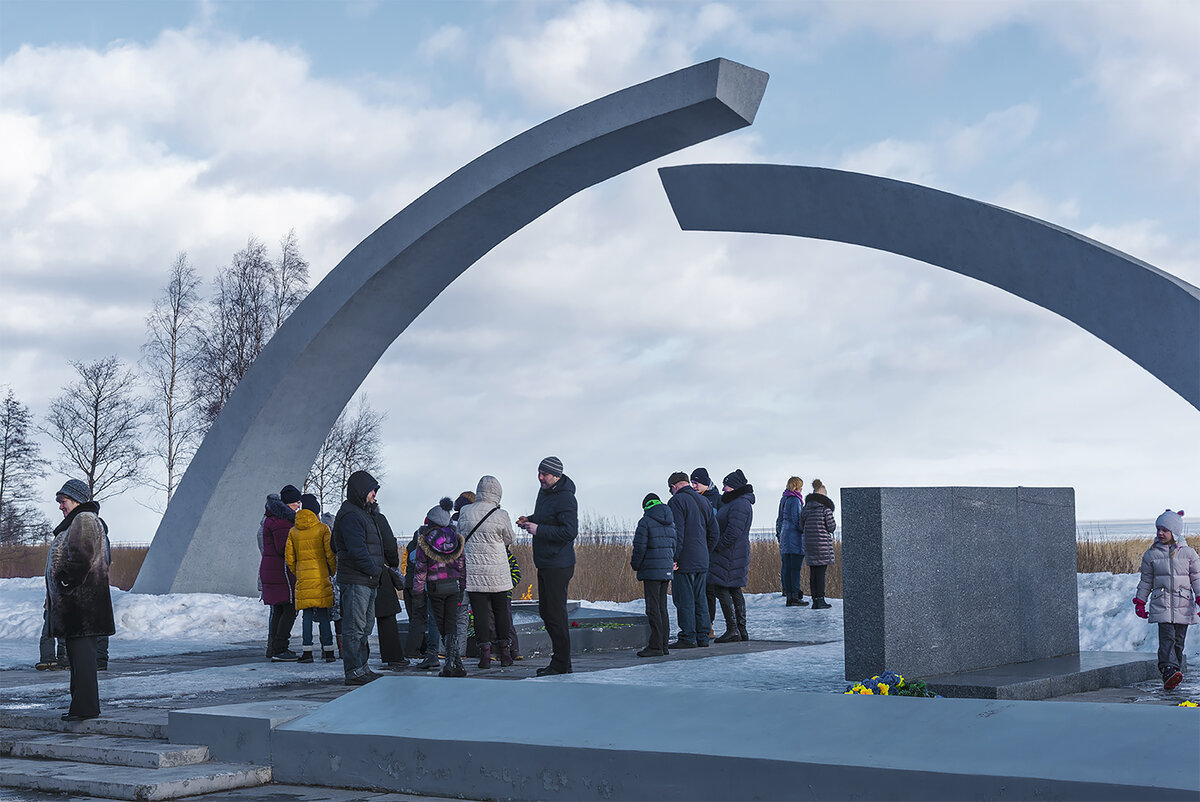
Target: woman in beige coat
(488, 530)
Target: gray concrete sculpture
(274, 423)
(1145, 313)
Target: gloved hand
(1139, 607)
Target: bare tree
(96, 422)
(169, 358)
(251, 298)
(21, 465)
(353, 444)
(289, 281)
(237, 327)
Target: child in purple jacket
(440, 575)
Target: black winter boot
(485, 655)
(739, 610)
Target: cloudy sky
(602, 333)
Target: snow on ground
(176, 623)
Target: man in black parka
(696, 535)
(554, 525)
(360, 561)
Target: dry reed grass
(30, 561)
(1111, 556)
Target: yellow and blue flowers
(889, 683)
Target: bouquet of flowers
(890, 683)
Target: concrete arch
(1145, 313)
(276, 420)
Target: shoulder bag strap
(481, 520)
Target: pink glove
(1139, 607)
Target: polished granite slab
(1048, 677)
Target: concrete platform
(240, 732)
(551, 741)
(1049, 677)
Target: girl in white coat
(1171, 583)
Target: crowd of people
(348, 570)
(345, 573)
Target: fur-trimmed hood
(277, 509)
(441, 544)
(820, 498)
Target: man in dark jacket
(554, 525)
(653, 557)
(359, 546)
(696, 535)
(79, 605)
(702, 484)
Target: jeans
(691, 606)
(656, 611)
(552, 607)
(462, 621)
(358, 618)
(322, 616)
(792, 563)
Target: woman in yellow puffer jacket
(311, 559)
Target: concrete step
(125, 723)
(124, 782)
(8, 737)
(108, 750)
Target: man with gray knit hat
(554, 525)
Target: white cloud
(448, 41)
(592, 48)
(903, 161)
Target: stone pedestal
(943, 580)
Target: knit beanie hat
(1171, 520)
(440, 515)
(735, 480)
(464, 498)
(650, 500)
(310, 502)
(701, 475)
(552, 466)
(290, 494)
(76, 489)
(676, 478)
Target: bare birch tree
(236, 328)
(21, 465)
(169, 358)
(97, 422)
(251, 298)
(353, 444)
(289, 281)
